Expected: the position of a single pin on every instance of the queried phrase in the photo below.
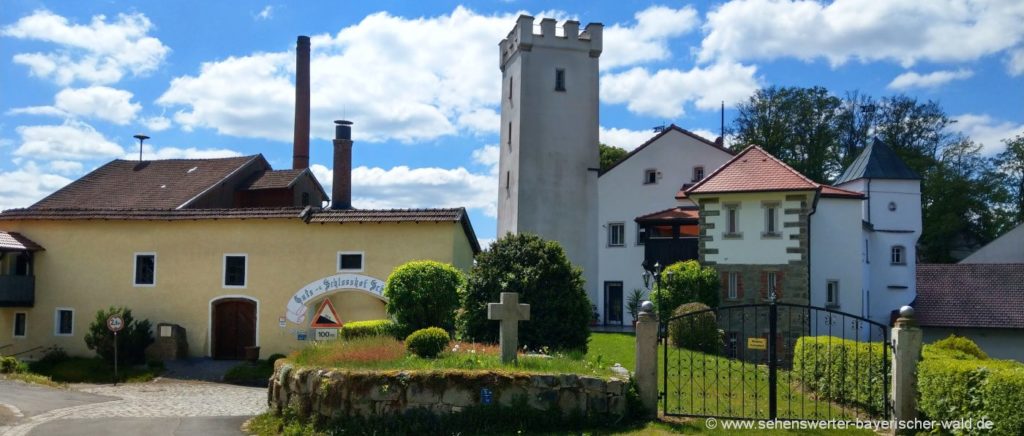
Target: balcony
(669, 251)
(17, 291)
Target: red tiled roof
(273, 179)
(673, 214)
(756, 170)
(156, 184)
(970, 295)
(17, 242)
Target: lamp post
(655, 273)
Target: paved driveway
(161, 407)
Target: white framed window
(899, 256)
(734, 285)
(236, 270)
(350, 261)
(616, 234)
(771, 219)
(20, 325)
(698, 174)
(650, 176)
(772, 284)
(732, 220)
(144, 270)
(641, 234)
(832, 293)
(63, 321)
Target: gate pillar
(906, 349)
(646, 372)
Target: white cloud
(156, 124)
(987, 131)
(72, 140)
(647, 40)
(27, 185)
(483, 120)
(265, 14)
(48, 111)
(1015, 62)
(100, 53)
(65, 167)
(100, 102)
(934, 79)
(149, 152)
(903, 31)
(663, 93)
(488, 156)
(624, 138)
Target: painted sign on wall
(328, 285)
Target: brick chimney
(341, 191)
(300, 153)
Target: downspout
(814, 208)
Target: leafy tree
(132, 340)
(422, 294)
(686, 282)
(610, 155)
(542, 275)
(1011, 167)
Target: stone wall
(340, 393)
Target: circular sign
(115, 323)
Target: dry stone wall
(340, 393)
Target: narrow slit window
(733, 285)
(560, 80)
(20, 319)
(832, 293)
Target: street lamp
(655, 273)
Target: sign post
(115, 323)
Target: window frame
(24, 325)
(362, 261)
(771, 219)
(641, 234)
(694, 177)
(733, 291)
(772, 282)
(622, 233)
(560, 80)
(832, 293)
(224, 271)
(901, 251)
(732, 221)
(56, 321)
(135, 269)
(650, 180)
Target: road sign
(325, 334)
(757, 343)
(115, 323)
(325, 316)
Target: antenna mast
(142, 138)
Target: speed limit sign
(115, 323)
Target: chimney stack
(300, 153)
(341, 191)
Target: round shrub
(11, 365)
(362, 329)
(961, 344)
(132, 340)
(684, 282)
(542, 275)
(422, 294)
(428, 342)
(698, 332)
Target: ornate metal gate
(774, 361)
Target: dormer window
(698, 174)
(650, 176)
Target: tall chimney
(300, 153)
(341, 190)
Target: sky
(420, 80)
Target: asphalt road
(204, 425)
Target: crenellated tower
(549, 136)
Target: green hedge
(428, 342)
(842, 370)
(954, 383)
(377, 327)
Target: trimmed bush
(11, 365)
(685, 282)
(361, 329)
(428, 342)
(422, 294)
(696, 332)
(954, 383)
(132, 340)
(843, 370)
(542, 275)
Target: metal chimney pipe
(300, 153)
(341, 186)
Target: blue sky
(421, 81)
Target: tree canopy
(610, 154)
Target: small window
(698, 174)
(616, 234)
(892, 206)
(732, 220)
(64, 322)
(235, 270)
(508, 182)
(832, 293)
(511, 81)
(772, 283)
(305, 199)
(509, 138)
(771, 218)
(867, 256)
(350, 261)
(641, 234)
(560, 80)
(19, 324)
(145, 269)
(734, 280)
(898, 256)
(650, 176)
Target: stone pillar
(906, 352)
(646, 372)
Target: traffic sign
(325, 316)
(115, 323)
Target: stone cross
(509, 312)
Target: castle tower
(549, 144)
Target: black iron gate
(774, 361)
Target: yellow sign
(757, 343)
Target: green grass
(250, 373)
(92, 370)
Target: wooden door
(234, 328)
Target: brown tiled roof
(970, 295)
(272, 179)
(156, 184)
(17, 242)
(756, 170)
(664, 132)
(669, 215)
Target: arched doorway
(233, 327)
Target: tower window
(508, 181)
(509, 138)
(560, 80)
(832, 293)
(898, 255)
(510, 82)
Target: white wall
(892, 285)
(836, 253)
(1008, 248)
(753, 248)
(623, 197)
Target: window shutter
(725, 285)
(778, 284)
(764, 285)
